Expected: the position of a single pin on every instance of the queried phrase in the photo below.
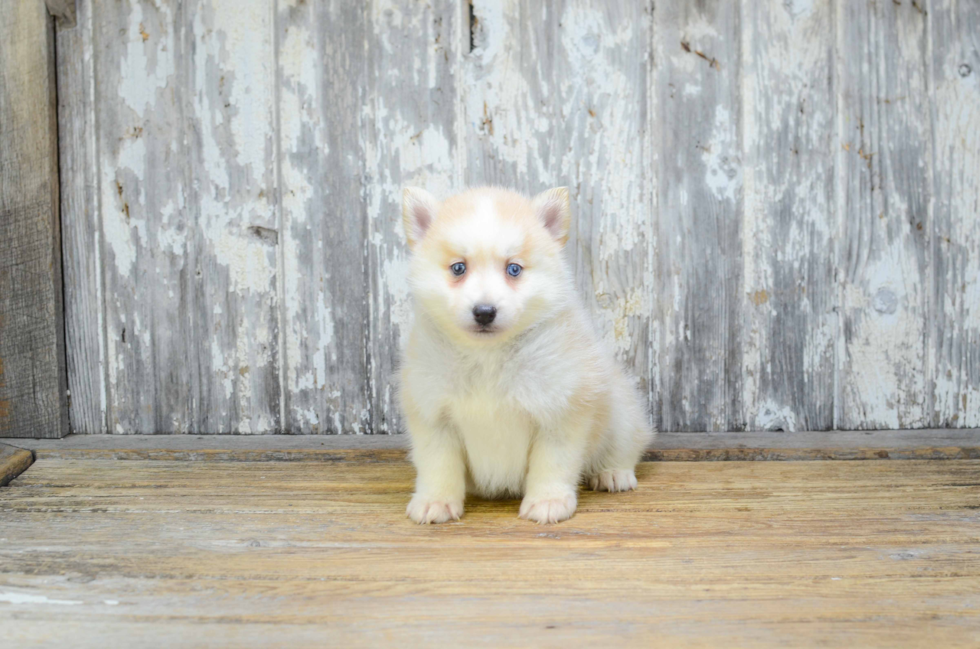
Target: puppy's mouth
(484, 330)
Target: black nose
(484, 313)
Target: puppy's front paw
(615, 480)
(548, 509)
(424, 510)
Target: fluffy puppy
(504, 385)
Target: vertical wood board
(790, 322)
(33, 383)
(325, 311)
(885, 191)
(187, 186)
(81, 230)
(955, 308)
(699, 183)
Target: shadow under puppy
(505, 387)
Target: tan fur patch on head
(505, 207)
(508, 205)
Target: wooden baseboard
(674, 447)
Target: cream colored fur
(528, 406)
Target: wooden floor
(103, 553)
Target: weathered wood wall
(776, 202)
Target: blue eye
(514, 270)
(458, 268)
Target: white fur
(532, 408)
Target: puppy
(504, 386)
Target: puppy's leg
(616, 470)
(554, 469)
(626, 438)
(440, 483)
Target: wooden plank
(726, 554)
(955, 308)
(600, 147)
(790, 323)
(698, 173)
(326, 278)
(556, 95)
(153, 376)
(81, 226)
(748, 446)
(232, 96)
(410, 140)
(185, 117)
(506, 98)
(885, 190)
(13, 462)
(33, 383)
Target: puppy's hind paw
(615, 480)
(428, 510)
(548, 509)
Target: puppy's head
(486, 264)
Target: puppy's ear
(418, 211)
(554, 211)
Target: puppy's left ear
(418, 212)
(553, 209)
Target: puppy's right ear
(418, 211)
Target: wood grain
(33, 383)
(790, 324)
(885, 189)
(743, 446)
(326, 278)
(955, 232)
(82, 243)
(747, 554)
(734, 452)
(699, 184)
(187, 186)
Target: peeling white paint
(772, 416)
(498, 100)
(148, 53)
(723, 168)
(888, 340)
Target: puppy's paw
(424, 510)
(548, 509)
(615, 480)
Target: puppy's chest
(496, 434)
